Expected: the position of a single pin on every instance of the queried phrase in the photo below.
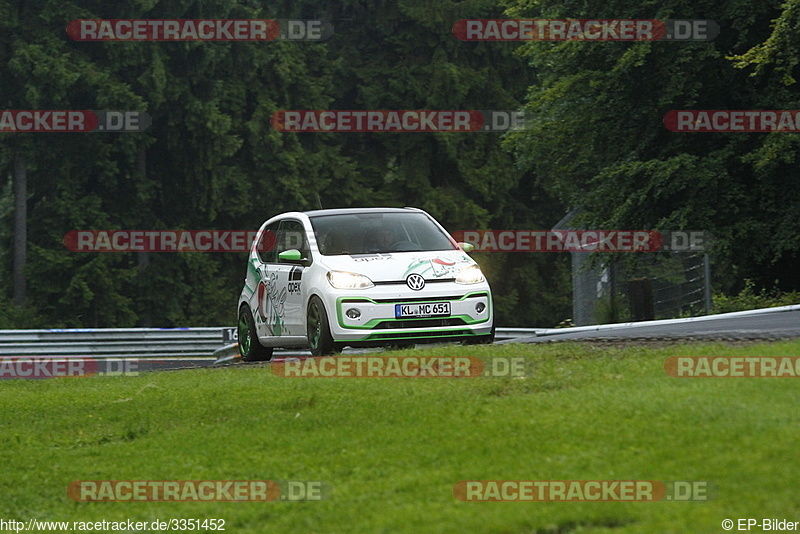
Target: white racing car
(360, 277)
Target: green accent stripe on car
(409, 336)
(371, 324)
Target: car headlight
(345, 280)
(470, 275)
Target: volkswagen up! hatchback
(327, 279)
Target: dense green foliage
(750, 299)
(211, 160)
(600, 143)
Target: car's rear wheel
(249, 347)
(318, 329)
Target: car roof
(345, 211)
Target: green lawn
(392, 449)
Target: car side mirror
(466, 247)
(292, 256)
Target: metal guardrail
(512, 333)
(113, 342)
(196, 343)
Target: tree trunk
(143, 258)
(20, 229)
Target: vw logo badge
(415, 281)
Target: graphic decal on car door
(294, 318)
(271, 304)
(295, 275)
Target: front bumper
(471, 314)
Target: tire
(318, 329)
(250, 347)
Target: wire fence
(662, 285)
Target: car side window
(292, 235)
(267, 251)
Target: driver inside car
(380, 240)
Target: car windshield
(378, 233)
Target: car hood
(398, 265)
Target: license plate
(422, 309)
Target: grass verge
(392, 449)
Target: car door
(266, 307)
(286, 280)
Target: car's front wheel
(249, 347)
(318, 329)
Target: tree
(212, 160)
(600, 143)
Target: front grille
(415, 299)
(418, 335)
(421, 323)
(403, 282)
